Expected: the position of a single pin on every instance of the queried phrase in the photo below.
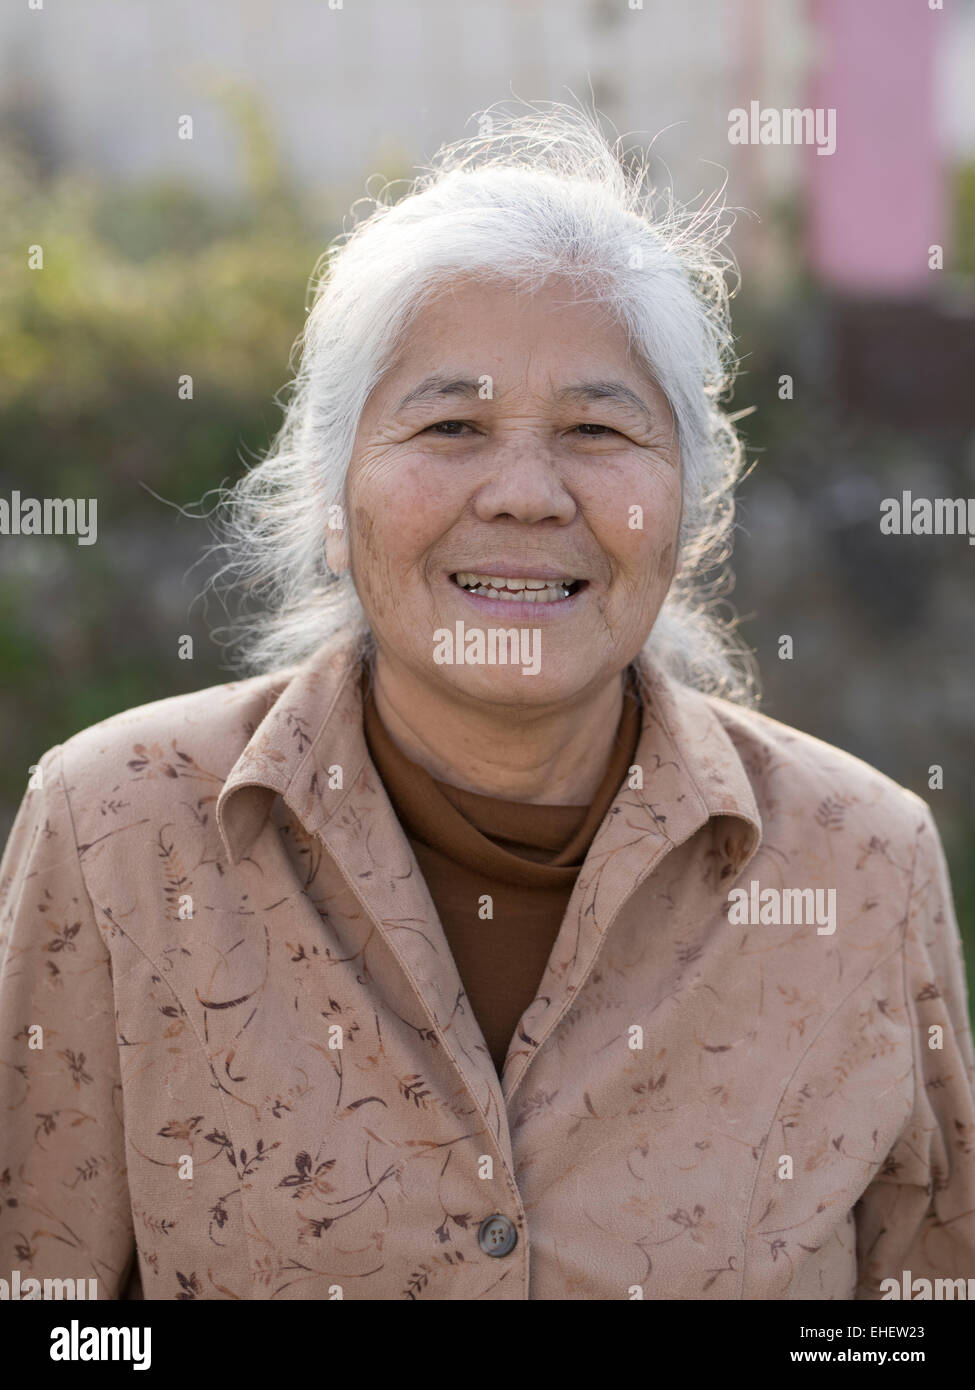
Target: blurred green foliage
(140, 285)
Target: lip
(499, 570)
(526, 613)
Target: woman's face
(514, 438)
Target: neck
(553, 756)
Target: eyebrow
(435, 387)
(439, 387)
(606, 391)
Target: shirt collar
(310, 750)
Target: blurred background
(166, 256)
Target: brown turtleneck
(524, 856)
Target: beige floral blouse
(234, 1044)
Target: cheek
(645, 553)
(370, 561)
(649, 563)
(662, 531)
(395, 519)
(662, 564)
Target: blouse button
(497, 1236)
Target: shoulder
(205, 729)
(794, 774)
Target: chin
(510, 685)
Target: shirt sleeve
(64, 1202)
(916, 1220)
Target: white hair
(539, 193)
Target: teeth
(514, 590)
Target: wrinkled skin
(533, 477)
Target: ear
(336, 545)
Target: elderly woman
(486, 944)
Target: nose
(525, 484)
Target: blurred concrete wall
(376, 85)
(347, 85)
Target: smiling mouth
(518, 590)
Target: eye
(449, 428)
(594, 431)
